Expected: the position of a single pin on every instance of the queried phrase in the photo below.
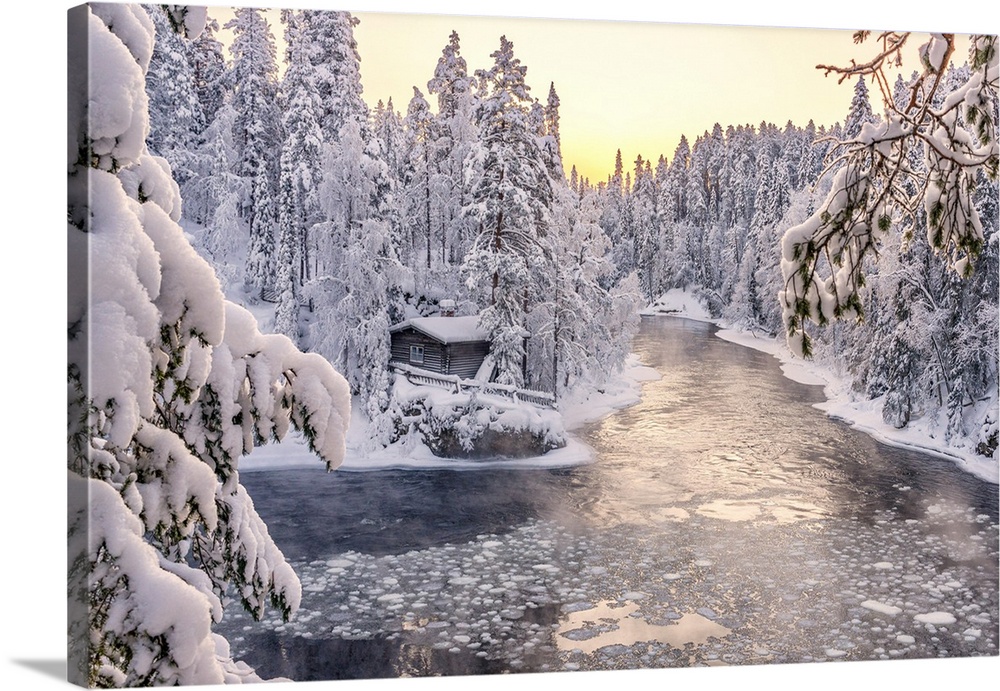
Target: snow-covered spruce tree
(811, 158)
(585, 321)
(208, 73)
(298, 200)
(451, 82)
(643, 216)
(860, 112)
(674, 235)
(715, 179)
(612, 201)
(387, 132)
(334, 54)
(551, 143)
(175, 115)
(419, 177)
(874, 189)
(168, 385)
(663, 231)
(888, 354)
(453, 87)
(257, 135)
(759, 273)
(976, 348)
(388, 144)
(208, 63)
(509, 201)
(215, 200)
(356, 290)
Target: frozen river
(724, 521)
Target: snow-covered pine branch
(168, 386)
(876, 185)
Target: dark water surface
(724, 521)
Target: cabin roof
(445, 329)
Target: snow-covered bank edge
(293, 453)
(678, 302)
(577, 410)
(863, 415)
(624, 392)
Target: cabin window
(417, 355)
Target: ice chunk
(881, 608)
(936, 618)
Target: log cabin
(443, 344)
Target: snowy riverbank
(577, 410)
(923, 434)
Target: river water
(724, 522)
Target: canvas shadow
(55, 668)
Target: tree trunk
(427, 201)
(498, 246)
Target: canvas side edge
(77, 584)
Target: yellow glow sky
(637, 86)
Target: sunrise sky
(633, 85)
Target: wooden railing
(455, 384)
(273, 296)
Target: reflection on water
(723, 425)
(611, 623)
(755, 528)
(782, 511)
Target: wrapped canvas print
(632, 345)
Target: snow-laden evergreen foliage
(510, 200)
(875, 188)
(161, 532)
(215, 199)
(860, 113)
(454, 133)
(176, 117)
(419, 177)
(917, 184)
(208, 66)
(257, 136)
(357, 285)
(334, 54)
(298, 200)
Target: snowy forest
(254, 230)
(369, 216)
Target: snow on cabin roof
(445, 329)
